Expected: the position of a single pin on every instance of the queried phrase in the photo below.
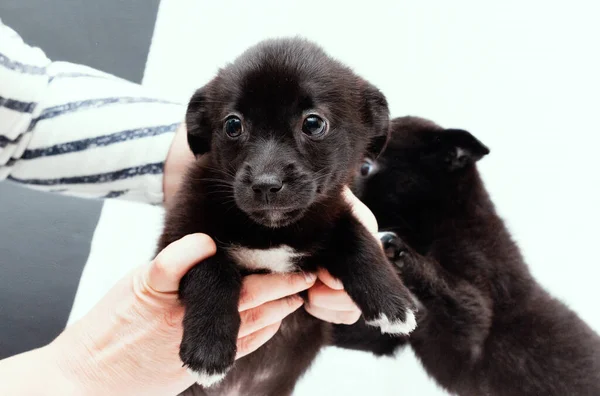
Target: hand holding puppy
(129, 342)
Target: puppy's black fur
(485, 327)
(285, 126)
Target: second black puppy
(486, 327)
(285, 126)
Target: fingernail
(338, 283)
(310, 277)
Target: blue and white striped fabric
(73, 129)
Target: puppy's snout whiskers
(225, 172)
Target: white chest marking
(280, 259)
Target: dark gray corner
(110, 35)
(45, 241)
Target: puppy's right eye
(233, 126)
(314, 126)
(367, 168)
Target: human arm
(72, 129)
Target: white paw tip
(395, 326)
(205, 379)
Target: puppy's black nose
(266, 186)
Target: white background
(522, 76)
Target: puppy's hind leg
(356, 258)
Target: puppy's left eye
(314, 126)
(233, 126)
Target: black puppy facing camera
(284, 127)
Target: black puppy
(485, 327)
(285, 126)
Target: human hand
(327, 299)
(129, 342)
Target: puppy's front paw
(401, 324)
(208, 351)
(394, 311)
(396, 307)
(412, 268)
(394, 247)
(207, 360)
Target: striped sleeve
(72, 129)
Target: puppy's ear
(199, 133)
(464, 148)
(376, 115)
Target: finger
(337, 317)
(267, 314)
(169, 266)
(325, 277)
(324, 297)
(259, 289)
(252, 342)
(361, 211)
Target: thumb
(174, 261)
(361, 211)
